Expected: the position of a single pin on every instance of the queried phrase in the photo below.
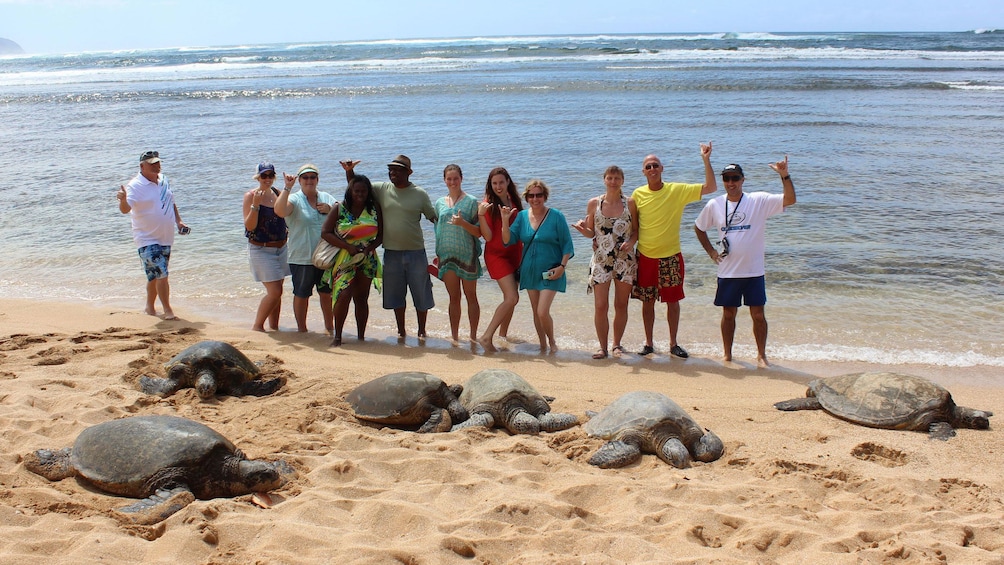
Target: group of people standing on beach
(635, 242)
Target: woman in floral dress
(355, 227)
(608, 224)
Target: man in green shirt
(405, 264)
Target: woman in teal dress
(458, 250)
(547, 247)
(355, 227)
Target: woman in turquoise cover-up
(547, 247)
(355, 227)
(458, 250)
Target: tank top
(270, 226)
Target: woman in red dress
(502, 262)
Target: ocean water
(893, 253)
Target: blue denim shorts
(305, 279)
(155, 259)
(404, 270)
(752, 291)
(268, 263)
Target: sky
(70, 26)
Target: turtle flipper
(709, 448)
(555, 422)
(457, 411)
(675, 453)
(439, 421)
(482, 419)
(615, 454)
(522, 422)
(157, 507)
(804, 403)
(53, 465)
(941, 430)
(153, 385)
(259, 387)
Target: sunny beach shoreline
(791, 487)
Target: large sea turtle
(649, 422)
(500, 397)
(211, 367)
(890, 401)
(409, 398)
(165, 460)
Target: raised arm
(282, 206)
(710, 181)
(484, 208)
(781, 168)
(124, 206)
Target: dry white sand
(800, 487)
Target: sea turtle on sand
(409, 398)
(498, 396)
(211, 367)
(649, 422)
(890, 401)
(165, 460)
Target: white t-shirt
(152, 213)
(746, 231)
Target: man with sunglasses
(655, 215)
(148, 200)
(741, 220)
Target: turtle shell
(884, 400)
(398, 398)
(120, 456)
(492, 386)
(216, 354)
(641, 411)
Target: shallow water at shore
(888, 257)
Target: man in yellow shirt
(658, 207)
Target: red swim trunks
(662, 278)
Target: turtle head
(963, 417)
(205, 383)
(263, 476)
(709, 447)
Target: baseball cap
(733, 168)
(150, 157)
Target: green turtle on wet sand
(890, 401)
(500, 397)
(409, 398)
(211, 367)
(166, 461)
(650, 422)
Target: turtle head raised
(205, 383)
(709, 447)
(963, 417)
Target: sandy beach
(800, 487)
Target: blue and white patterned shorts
(155, 258)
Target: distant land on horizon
(8, 47)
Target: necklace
(728, 218)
